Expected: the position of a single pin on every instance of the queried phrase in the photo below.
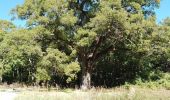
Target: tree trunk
(86, 76)
(86, 81)
(0, 79)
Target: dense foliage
(84, 42)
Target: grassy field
(132, 93)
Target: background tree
(19, 54)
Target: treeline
(84, 42)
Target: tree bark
(86, 74)
(86, 81)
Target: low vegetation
(132, 93)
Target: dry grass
(98, 94)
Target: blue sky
(7, 5)
(163, 11)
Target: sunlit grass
(132, 93)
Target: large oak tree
(80, 32)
